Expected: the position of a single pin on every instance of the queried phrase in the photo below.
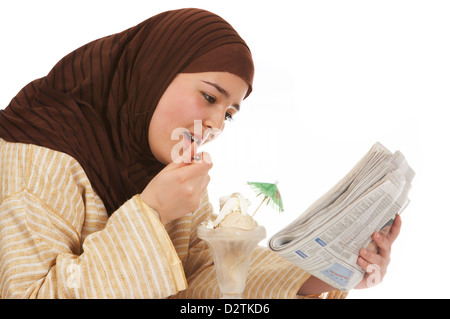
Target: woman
(93, 202)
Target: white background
(332, 78)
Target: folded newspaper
(325, 240)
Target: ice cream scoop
(233, 212)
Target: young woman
(93, 202)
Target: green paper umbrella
(271, 195)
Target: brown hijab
(97, 102)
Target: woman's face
(206, 99)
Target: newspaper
(325, 240)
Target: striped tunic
(57, 241)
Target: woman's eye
(228, 117)
(209, 98)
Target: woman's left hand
(376, 257)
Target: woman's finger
(395, 229)
(384, 245)
(367, 257)
(372, 247)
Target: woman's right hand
(177, 189)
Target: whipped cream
(233, 212)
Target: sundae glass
(232, 238)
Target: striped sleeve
(132, 257)
(57, 242)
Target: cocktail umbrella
(271, 195)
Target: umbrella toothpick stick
(260, 205)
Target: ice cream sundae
(232, 236)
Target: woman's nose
(215, 118)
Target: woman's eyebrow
(218, 88)
(223, 91)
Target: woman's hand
(374, 260)
(178, 188)
(376, 257)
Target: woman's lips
(189, 138)
(197, 139)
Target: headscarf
(97, 102)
